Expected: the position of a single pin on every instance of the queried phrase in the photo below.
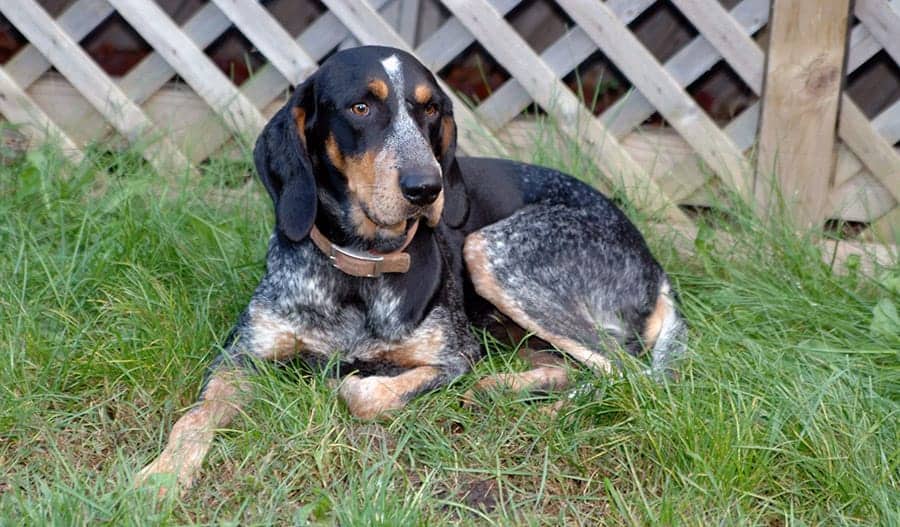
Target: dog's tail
(672, 340)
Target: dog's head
(369, 138)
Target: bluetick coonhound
(387, 248)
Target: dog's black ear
(456, 201)
(284, 166)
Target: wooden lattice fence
(832, 161)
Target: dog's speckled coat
(353, 152)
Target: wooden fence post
(801, 94)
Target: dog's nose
(420, 188)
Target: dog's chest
(331, 312)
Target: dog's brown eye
(360, 108)
(431, 109)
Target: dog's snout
(420, 188)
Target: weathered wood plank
(147, 77)
(686, 66)
(800, 105)
(508, 48)
(741, 52)
(861, 198)
(888, 123)
(408, 20)
(882, 19)
(151, 73)
(727, 35)
(18, 108)
(65, 54)
(562, 56)
(269, 37)
(77, 21)
(873, 150)
(365, 23)
(452, 38)
(678, 108)
(192, 65)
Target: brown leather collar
(365, 264)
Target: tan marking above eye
(422, 93)
(379, 88)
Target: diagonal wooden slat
(270, 38)
(562, 56)
(144, 79)
(873, 150)
(686, 66)
(18, 107)
(888, 122)
(678, 108)
(365, 23)
(191, 64)
(452, 38)
(510, 50)
(741, 51)
(882, 19)
(77, 21)
(65, 54)
(728, 37)
(152, 72)
(865, 44)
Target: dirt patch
(481, 494)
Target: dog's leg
(563, 274)
(368, 397)
(435, 355)
(491, 287)
(258, 334)
(548, 373)
(191, 437)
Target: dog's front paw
(369, 397)
(168, 474)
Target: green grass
(115, 289)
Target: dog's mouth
(389, 237)
(400, 227)
(390, 241)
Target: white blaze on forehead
(405, 139)
(392, 68)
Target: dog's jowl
(388, 248)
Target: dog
(387, 248)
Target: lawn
(115, 287)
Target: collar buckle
(361, 257)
